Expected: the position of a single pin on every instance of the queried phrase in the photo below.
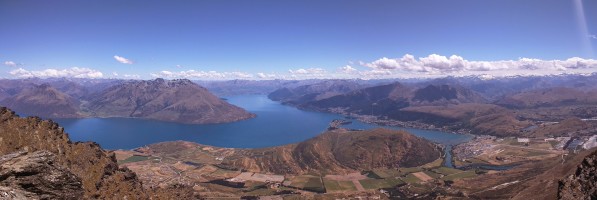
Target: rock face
(176, 101)
(97, 169)
(44, 101)
(36, 176)
(583, 183)
(49, 155)
(340, 151)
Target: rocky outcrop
(35, 175)
(96, 169)
(583, 183)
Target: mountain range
(165, 100)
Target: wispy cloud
(210, 75)
(593, 36)
(348, 69)
(74, 72)
(307, 73)
(123, 60)
(262, 75)
(10, 63)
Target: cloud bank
(74, 72)
(209, 75)
(438, 65)
(123, 60)
(407, 66)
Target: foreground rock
(36, 176)
(95, 171)
(583, 183)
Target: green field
(410, 170)
(464, 174)
(306, 182)
(262, 192)
(410, 178)
(385, 173)
(438, 162)
(332, 186)
(432, 174)
(380, 183)
(446, 170)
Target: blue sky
(286, 39)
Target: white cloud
(74, 72)
(122, 60)
(309, 71)
(262, 75)
(437, 65)
(409, 66)
(10, 63)
(131, 76)
(210, 75)
(348, 69)
(593, 36)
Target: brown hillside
(340, 151)
(557, 96)
(159, 99)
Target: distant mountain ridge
(174, 100)
(313, 92)
(166, 100)
(44, 100)
(388, 99)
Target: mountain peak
(178, 100)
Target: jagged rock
(35, 175)
(96, 171)
(583, 183)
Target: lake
(275, 124)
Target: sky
(261, 39)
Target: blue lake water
(275, 124)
